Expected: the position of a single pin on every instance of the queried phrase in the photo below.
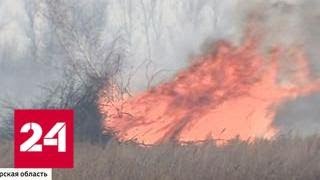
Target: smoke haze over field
(156, 36)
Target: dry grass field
(281, 159)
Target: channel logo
(43, 138)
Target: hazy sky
(175, 31)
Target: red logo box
(43, 138)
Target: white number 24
(30, 145)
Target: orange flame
(233, 92)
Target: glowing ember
(232, 92)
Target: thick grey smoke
(20, 75)
(163, 35)
(290, 24)
(155, 35)
(286, 23)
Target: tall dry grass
(282, 159)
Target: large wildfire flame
(233, 92)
